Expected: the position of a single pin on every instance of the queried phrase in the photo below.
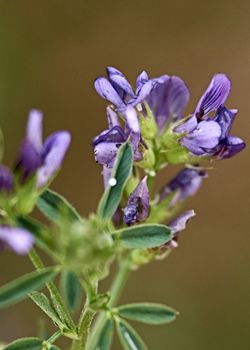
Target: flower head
(206, 135)
(16, 239)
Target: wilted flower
(185, 184)
(16, 239)
(207, 136)
(137, 208)
(44, 159)
(177, 225)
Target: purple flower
(117, 90)
(6, 179)
(206, 135)
(44, 159)
(186, 183)
(137, 208)
(168, 99)
(16, 239)
(177, 225)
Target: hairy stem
(115, 291)
(86, 319)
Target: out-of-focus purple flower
(6, 179)
(137, 208)
(44, 159)
(177, 225)
(16, 239)
(186, 183)
(206, 135)
(168, 99)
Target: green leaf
(129, 338)
(54, 347)
(18, 289)
(143, 236)
(43, 302)
(54, 206)
(25, 344)
(71, 289)
(106, 335)
(121, 173)
(150, 313)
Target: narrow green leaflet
(106, 335)
(143, 236)
(121, 173)
(54, 206)
(71, 289)
(54, 347)
(150, 313)
(18, 289)
(25, 344)
(129, 338)
(43, 302)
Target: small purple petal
(187, 126)
(168, 99)
(115, 134)
(132, 119)
(179, 224)
(141, 80)
(34, 129)
(204, 137)
(225, 118)
(186, 183)
(137, 208)
(142, 93)
(112, 118)
(17, 239)
(105, 89)
(29, 160)
(231, 146)
(6, 179)
(54, 151)
(105, 153)
(215, 95)
(117, 78)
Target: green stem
(54, 293)
(115, 291)
(86, 319)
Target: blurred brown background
(50, 52)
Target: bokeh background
(50, 52)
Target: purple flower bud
(137, 208)
(177, 225)
(36, 157)
(16, 239)
(6, 179)
(185, 184)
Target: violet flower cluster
(205, 134)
